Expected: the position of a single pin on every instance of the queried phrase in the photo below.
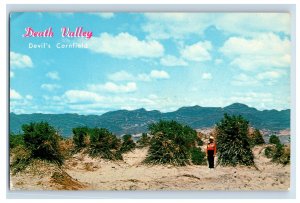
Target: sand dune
(81, 172)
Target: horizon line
(147, 110)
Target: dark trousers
(210, 158)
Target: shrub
(127, 144)
(171, 143)
(233, 145)
(199, 141)
(15, 140)
(21, 158)
(66, 147)
(281, 154)
(42, 140)
(143, 141)
(269, 151)
(274, 140)
(285, 158)
(197, 156)
(257, 138)
(104, 144)
(278, 152)
(79, 135)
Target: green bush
(171, 143)
(79, 135)
(21, 158)
(127, 144)
(257, 138)
(274, 140)
(233, 143)
(279, 153)
(42, 140)
(199, 141)
(269, 151)
(198, 156)
(143, 141)
(15, 140)
(104, 144)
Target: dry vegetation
(172, 158)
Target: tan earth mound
(81, 172)
(64, 181)
(41, 175)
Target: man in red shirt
(211, 152)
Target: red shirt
(212, 146)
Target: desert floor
(81, 172)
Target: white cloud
(263, 51)
(53, 75)
(143, 77)
(11, 74)
(159, 74)
(21, 104)
(175, 25)
(218, 61)
(79, 96)
(29, 97)
(269, 75)
(169, 60)
(125, 76)
(14, 95)
(251, 24)
(106, 15)
(181, 25)
(197, 52)
(50, 87)
(125, 45)
(260, 100)
(121, 76)
(244, 80)
(206, 76)
(20, 60)
(113, 88)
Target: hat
(211, 138)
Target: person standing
(211, 152)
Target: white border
(215, 6)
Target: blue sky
(159, 61)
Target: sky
(156, 61)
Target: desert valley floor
(80, 172)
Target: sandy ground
(81, 172)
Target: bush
(257, 138)
(143, 141)
(104, 144)
(286, 156)
(21, 158)
(197, 156)
(281, 154)
(199, 141)
(274, 140)
(233, 142)
(66, 147)
(269, 151)
(79, 135)
(42, 140)
(15, 140)
(278, 152)
(127, 144)
(171, 143)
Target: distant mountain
(137, 121)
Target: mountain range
(137, 121)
